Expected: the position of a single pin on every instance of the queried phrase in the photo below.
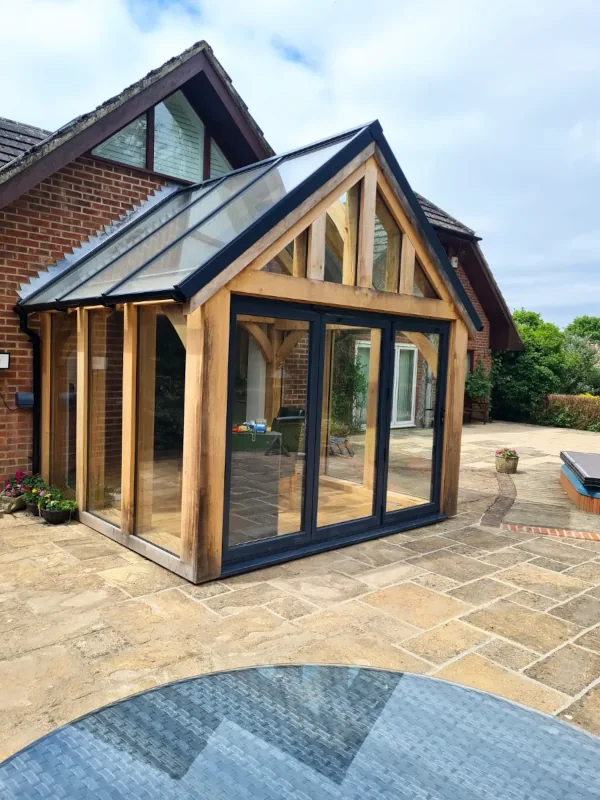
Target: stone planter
(55, 517)
(11, 504)
(507, 465)
(32, 509)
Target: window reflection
(349, 424)
(105, 413)
(268, 432)
(63, 405)
(410, 473)
(161, 386)
(341, 238)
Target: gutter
(36, 348)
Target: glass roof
(178, 236)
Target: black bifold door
(334, 426)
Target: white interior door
(405, 385)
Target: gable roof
(181, 244)
(17, 138)
(441, 219)
(46, 155)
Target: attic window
(169, 139)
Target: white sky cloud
(491, 108)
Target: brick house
(63, 193)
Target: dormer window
(169, 140)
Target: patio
(85, 621)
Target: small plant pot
(32, 509)
(507, 465)
(55, 517)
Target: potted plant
(12, 497)
(32, 485)
(54, 508)
(507, 460)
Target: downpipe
(36, 349)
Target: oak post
(366, 238)
(130, 338)
(82, 407)
(455, 390)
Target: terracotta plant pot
(32, 509)
(507, 465)
(55, 517)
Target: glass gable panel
(218, 163)
(178, 139)
(422, 285)
(163, 237)
(172, 266)
(128, 146)
(386, 250)
(341, 238)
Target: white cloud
(485, 104)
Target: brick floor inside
(84, 621)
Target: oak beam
(366, 237)
(407, 266)
(455, 392)
(214, 433)
(82, 407)
(192, 440)
(315, 266)
(130, 339)
(284, 287)
(260, 337)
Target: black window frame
(313, 539)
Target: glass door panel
(411, 468)
(346, 484)
(268, 428)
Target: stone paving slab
(84, 621)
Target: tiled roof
(440, 219)
(17, 138)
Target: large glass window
(411, 442)
(105, 406)
(160, 408)
(63, 402)
(128, 146)
(268, 434)
(386, 250)
(178, 139)
(341, 238)
(349, 424)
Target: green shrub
(581, 412)
(478, 385)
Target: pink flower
(19, 474)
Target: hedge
(579, 411)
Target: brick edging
(590, 535)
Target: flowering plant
(32, 485)
(507, 452)
(13, 485)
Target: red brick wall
(35, 231)
(480, 346)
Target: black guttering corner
(424, 223)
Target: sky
(492, 107)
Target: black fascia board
(209, 270)
(424, 223)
